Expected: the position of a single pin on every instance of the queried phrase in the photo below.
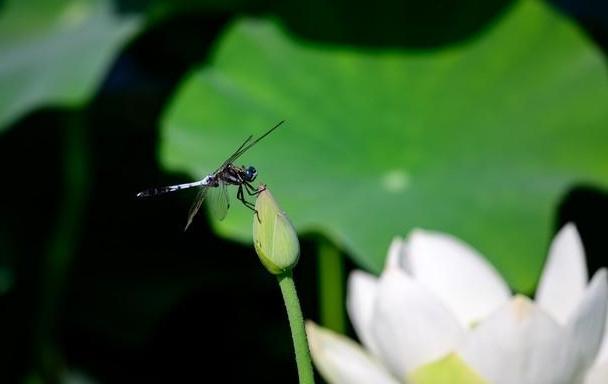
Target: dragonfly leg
(257, 215)
(241, 197)
(251, 190)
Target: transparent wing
(248, 144)
(235, 154)
(196, 205)
(218, 201)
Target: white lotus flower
(438, 300)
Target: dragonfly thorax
(250, 173)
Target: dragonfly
(213, 187)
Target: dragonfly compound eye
(251, 173)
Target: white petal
(517, 344)
(598, 374)
(395, 253)
(341, 361)
(410, 326)
(602, 355)
(360, 299)
(564, 276)
(586, 328)
(457, 274)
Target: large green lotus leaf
(479, 140)
(55, 52)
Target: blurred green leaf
(429, 24)
(388, 23)
(55, 52)
(478, 140)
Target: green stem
(331, 287)
(63, 240)
(298, 332)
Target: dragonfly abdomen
(207, 181)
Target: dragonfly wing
(248, 144)
(218, 201)
(196, 205)
(235, 154)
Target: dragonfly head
(250, 173)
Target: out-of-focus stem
(63, 240)
(331, 290)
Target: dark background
(140, 300)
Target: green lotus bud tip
(274, 237)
